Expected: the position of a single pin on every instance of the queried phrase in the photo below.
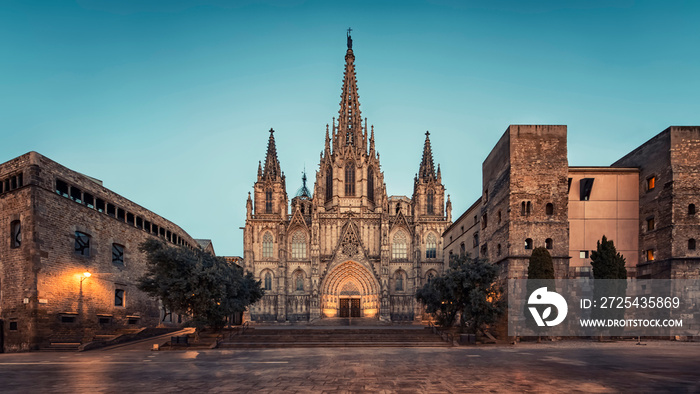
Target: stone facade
(645, 202)
(58, 225)
(348, 248)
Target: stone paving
(569, 366)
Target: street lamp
(85, 276)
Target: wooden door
(355, 307)
(344, 307)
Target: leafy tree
(607, 262)
(468, 287)
(197, 283)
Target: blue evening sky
(169, 102)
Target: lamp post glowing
(85, 276)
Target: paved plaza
(577, 366)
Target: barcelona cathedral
(348, 249)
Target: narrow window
(329, 183)
(461, 229)
(528, 208)
(13, 326)
(650, 254)
(111, 210)
(117, 254)
(650, 224)
(119, 297)
(139, 222)
(268, 201)
(484, 221)
(161, 232)
(651, 183)
(16, 234)
(522, 208)
(475, 241)
(485, 250)
(350, 179)
(267, 245)
(299, 245)
(76, 194)
(462, 250)
(147, 226)
(13, 181)
(528, 243)
(431, 202)
(100, 206)
(431, 247)
(300, 282)
(691, 209)
(370, 184)
(89, 200)
(568, 189)
(549, 209)
(583, 254)
(121, 215)
(154, 229)
(82, 244)
(586, 185)
(486, 195)
(399, 248)
(268, 281)
(130, 218)
(399, 281)
(548, 243)
(7, 187)
(691, 244)
(169, 236)
(61, 187)
(431, 276)
(20, 180)
(498, 250)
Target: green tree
(196, 283)
(607, 262)
(468, 287)
(541, 265)
(608, 265)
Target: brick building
(348, 249)
(645, 202)
(58, 225)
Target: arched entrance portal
(350, 290)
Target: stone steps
(345, 337)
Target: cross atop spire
(427, 167)
(272, 164)
(349, 37)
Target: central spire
(349, 132)
(272, 164)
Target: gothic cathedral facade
(348, 249)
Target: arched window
(370, 184)
(299, 281)
(399, 280)
(267, 245)
(299, 245)
(399, 248)
(548, 243)
(329, 183)
(268, 201)
(691, 209)
(350, 179)
(475, 242)
(528, 243)
(431, 202)
(522, 209)
(691, 244)
(431, 246)
(268, 280)
(549, 209)
(528, 208)
(430, 276)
